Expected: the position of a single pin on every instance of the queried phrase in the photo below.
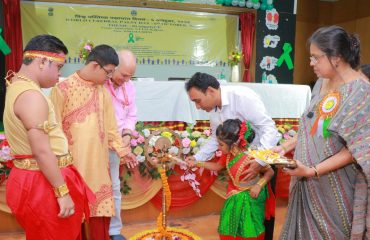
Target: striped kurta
(323, 208)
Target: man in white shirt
(231, 102)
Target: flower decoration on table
(85, 49)
(234, 57)
(187, 143)
(287, 131)
(5, 159)
(191, 142)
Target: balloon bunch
(256, 4)
(267, 4)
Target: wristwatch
(61, 191)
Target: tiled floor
(205, 227)
(195, 225)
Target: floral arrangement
(234, 58)
(286, 130)
(189, 143)
(85, 49)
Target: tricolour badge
(326, 109)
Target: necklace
(235, 180)
(24, 78)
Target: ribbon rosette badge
(327, 108)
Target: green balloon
(227, 2)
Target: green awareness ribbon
(325, 126)
(287, 48)
(131, 38)
(3, 46)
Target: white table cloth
(168, 101)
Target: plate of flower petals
(272, 158)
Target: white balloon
(235, 3)
(269, 2)
(256, 5)
(249, 4)
(241, 3)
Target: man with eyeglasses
(84, 107)
(122, 91)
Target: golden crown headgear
(55, 57)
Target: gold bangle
(316, 172)
(262, 182)
(200, 164)
(61, 191)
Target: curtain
(247, 22)
(13, 34)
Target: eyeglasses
(315, 59)
(108, 72)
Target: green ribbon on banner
(3, 46)
(131, 38)
(285, 57)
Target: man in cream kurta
(85, 109)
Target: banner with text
(157, 37)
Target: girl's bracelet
(262, 182)
(200, 164)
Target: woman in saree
(329, 188)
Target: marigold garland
(160, 225)
(179, 233)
